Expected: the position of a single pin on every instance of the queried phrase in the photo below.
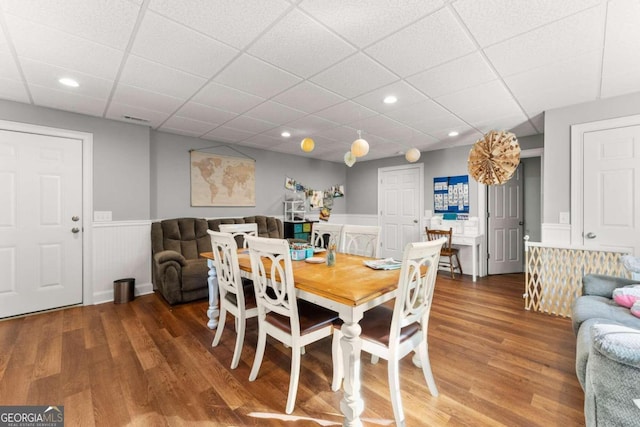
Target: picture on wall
(222, 181)
(451, 194)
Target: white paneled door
(40, 222)
(505, 225)
(400, 201)
(611, 184)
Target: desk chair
(360, 240)
(447, 251)
(280, 315)
(323, 233)
(235, 298)
(393, 333)
(243, 230)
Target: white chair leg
(237, 351)
(220, 327)
(423, 352)
(257, 361)
(374, 359)
(293, 381)
(336, 356)
(393, 366)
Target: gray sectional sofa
(607, 353)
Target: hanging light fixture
(307, 145)
(349, 158)
(359, 147)
(412, 155)
(494, 158)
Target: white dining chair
(360, 240)
(394, 333)
(280, 314)
(323, 233)
(248, 229)
(235, 298)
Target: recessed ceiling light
(68, 82)
(285, 134)
(390, 99)
(453, 133)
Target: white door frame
(577, 156)
(482, 205)
(87, 192)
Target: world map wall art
(222, 181)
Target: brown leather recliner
(178, 272)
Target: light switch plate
(101, 216)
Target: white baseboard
(107, 296)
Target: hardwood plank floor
(146, 363)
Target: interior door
(40, 223)
(505, 226)
(400, 201)
(611, 170)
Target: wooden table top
(349, 282)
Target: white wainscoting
(121, 249)
(556, 233)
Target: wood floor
(146, 363)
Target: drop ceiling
(240, 72)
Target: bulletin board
(451, 194)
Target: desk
(474, 242)
(349, 288)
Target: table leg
(213, 312)
(476, 261)
(352, 404)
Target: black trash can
(123, 290)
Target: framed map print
(222, 181)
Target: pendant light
(359, 147)
(307, 145)
(349, 158)
(412, 155)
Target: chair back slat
(361, 240)
(242, 230)
(225, 259)
(323, 233)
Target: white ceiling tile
(312, 124)
(300, 45)
(439, 125)
(61, 100)
(345, 134)
(308, 97)
(346, 112)
(363, 22)
(235, 22)
(442, 134)
(256, 77)
(162, 40)
(405, 93)
(8, 68)
(418, 113)
(524, 129)
(119, 112)
(560, 40)
(154, 101)
(620, 70)
(249, 124)
(226, 98)
(187, 125)
(412, 49)
(264, 141)
(13, 90)
(461, 73)
(557, 85)
(354, 76)
(481, 103)
(501, 123)
(106, 22)
(204, 113)
(491, 21)
(378, 125)
(274, 112)
(227, 134)
(45, 75)
(57, 48)
(152, 76)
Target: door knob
(415, 221)
(75, 218)
(75, 230)
(590, 235)
(521, 223)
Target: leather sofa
(178, 273)
(607, 353)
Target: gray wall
(121, 179)
(362, 178)
(557, 146)
(170, 172)
(532, 198)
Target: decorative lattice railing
(553, 275)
